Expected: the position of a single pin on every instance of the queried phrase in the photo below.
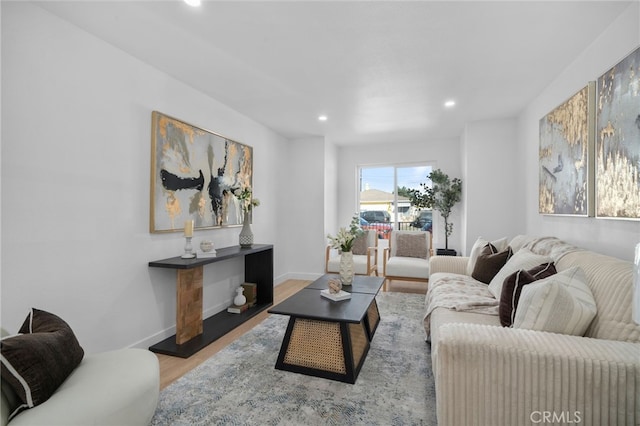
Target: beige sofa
(486, 374)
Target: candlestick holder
(188, 250)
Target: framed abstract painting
(618, 140)
(194, 175)
(565, 156)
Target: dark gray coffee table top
(308, 303)
(361, 284)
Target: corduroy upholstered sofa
(488, 374)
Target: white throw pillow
(480, 243)
(519, 241)
(562, 303)
(523, 259)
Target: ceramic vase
(346, 268)
(239, 300)
(246, 235)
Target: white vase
(246, 235)
(239, 300)
(346, 268)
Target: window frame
(394, 214)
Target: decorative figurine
(335, 286)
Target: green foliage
(404, 191)
(245, 196)
(442, 195)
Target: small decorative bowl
(206, 245)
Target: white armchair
(365, 255)
(407, 257)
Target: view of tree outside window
(384, 199)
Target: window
(384, 201)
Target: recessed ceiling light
(193, 3)
(322, 118)
(450, 104)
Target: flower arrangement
(244, 196)
(344, 239)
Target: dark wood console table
(192, 333)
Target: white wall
(614, 237)
(305, 210)
(330, 188)
(491, 177)
(445, 154)
(76, 122)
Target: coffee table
(325, 338)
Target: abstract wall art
(566, 141)
(194, 173)
(618, 140)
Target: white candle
(188, 228)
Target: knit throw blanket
(550, 246)
(460, 293)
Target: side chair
(407, 257)
(365, 255)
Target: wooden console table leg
(189, 304)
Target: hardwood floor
(172, 368)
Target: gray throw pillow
(411, 245)
(360, 245)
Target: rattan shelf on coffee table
(325, 338)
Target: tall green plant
(442, 195)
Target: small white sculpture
(239, 300)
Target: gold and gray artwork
(618, 140)
(574, 174)
(564, 151)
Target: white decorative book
(336, 297)
(205, 254)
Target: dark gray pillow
(489, 263)
(37, 361)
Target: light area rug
(240, 386)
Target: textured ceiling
(381, 71)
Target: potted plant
(442, 195)
(343, 242)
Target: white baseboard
(161, 335)
(168, 332)
(154, 338)
(296, 276)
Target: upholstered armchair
(407, 257)
(365, 255)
